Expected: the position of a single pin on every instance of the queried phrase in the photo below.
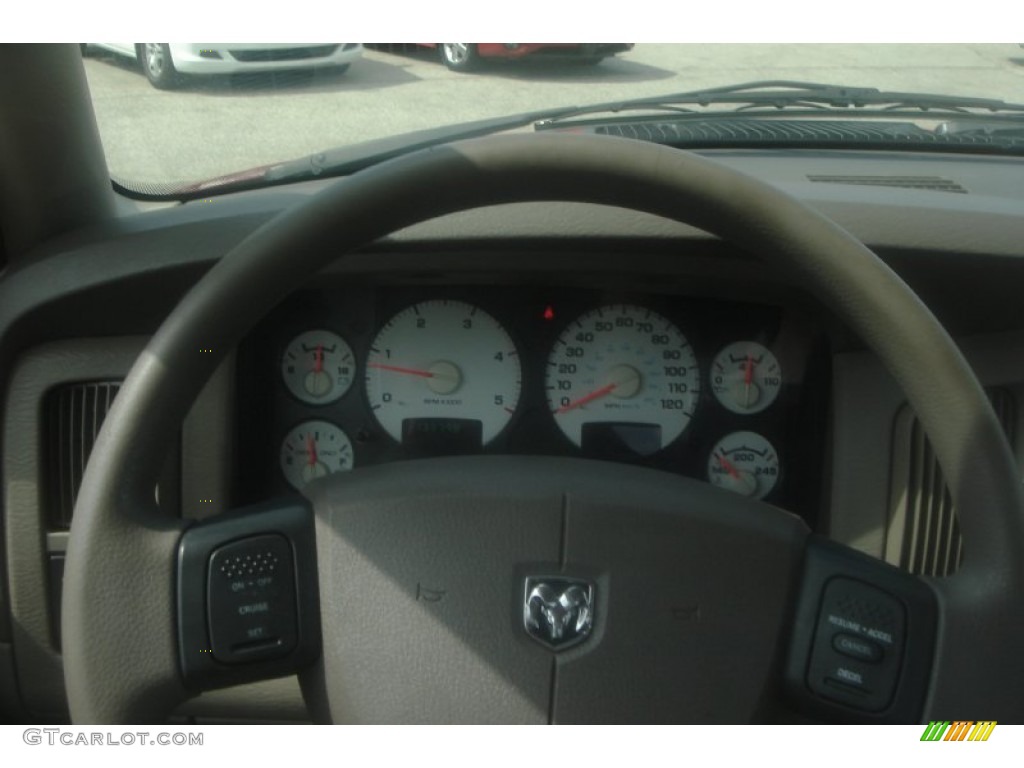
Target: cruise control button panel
(248, 599)
(251, 600)
(858, 645)
(863, 638)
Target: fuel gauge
(313, 450)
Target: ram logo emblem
(557, 611)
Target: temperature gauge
(746, 463)
(312, 450)
(746, 377)
(318, 367)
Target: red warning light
(549, 312)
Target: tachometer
(622, 372)
(443, 373)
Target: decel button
(857, 647)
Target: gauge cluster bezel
(534, 315)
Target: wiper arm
(349, 159)
(790, 94)
(344, 160)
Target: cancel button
(857, 647)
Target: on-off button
(857, 647)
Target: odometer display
(622, 363)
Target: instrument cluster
(731, 393)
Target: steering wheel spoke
(863, 638)
(247, 596)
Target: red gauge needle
(728, 467)
(311, 450)
(407, 371)
(588, 398)
(748, 377)
(319, 365)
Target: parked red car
(463, 57)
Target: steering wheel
(684, 603)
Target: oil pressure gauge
(746, 377)
(746, 463)
(318, 367)
(313, 450)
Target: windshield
(174, 114)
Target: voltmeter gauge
(318, 367)
(746, 463)
(746, 377)
(312, 450)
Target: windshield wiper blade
(343, 160)
(349, 159)
(778, 95)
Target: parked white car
(163, 63)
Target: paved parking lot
(217, 125)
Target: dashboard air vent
(930, 183)
(74, 414)
(923, 535)
(735, 132)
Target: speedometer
(622, 372)
(443, 376)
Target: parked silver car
(164, 63)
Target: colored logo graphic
(959, 730)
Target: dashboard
(733, 393)
(530, 279)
